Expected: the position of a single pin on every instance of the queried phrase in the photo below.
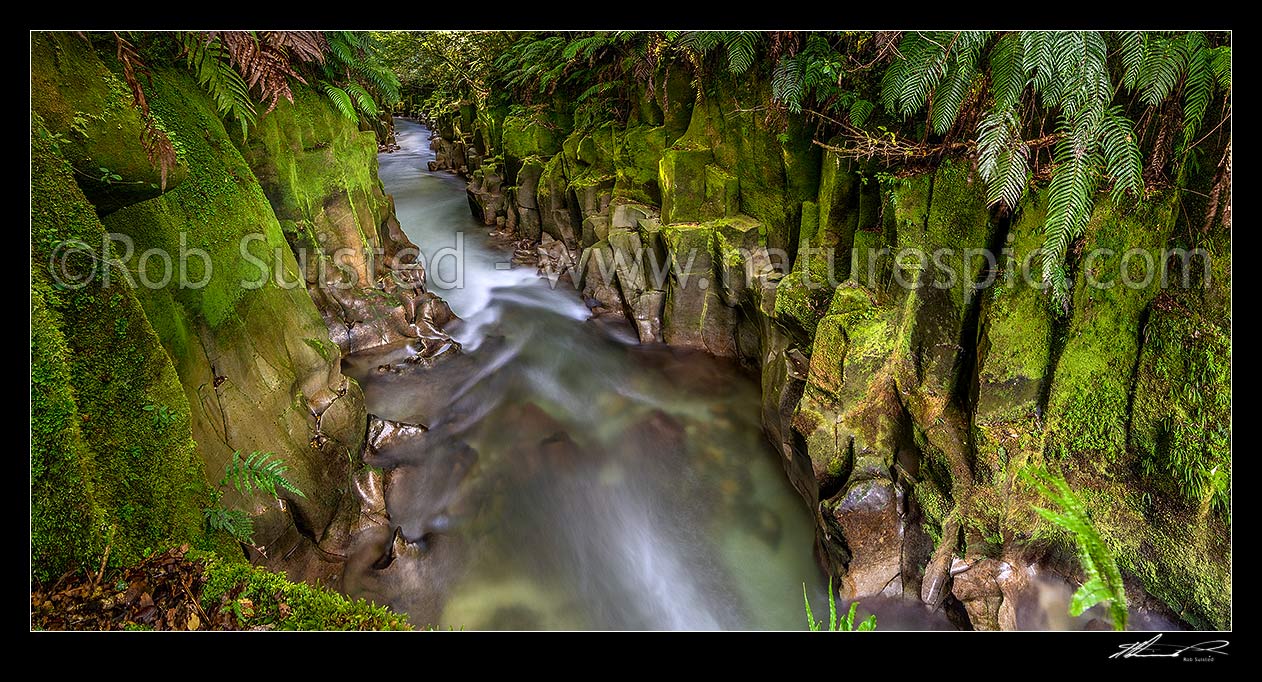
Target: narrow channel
(571, 478)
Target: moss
(682, 180)
(1090, 390)
(1014, 350)
(91, 108)
(527, 134)
(104, 469)
(1181, 419)
(306, 607)
(722, 193)
(638, 153)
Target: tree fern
(1104, 580)
(260, 471)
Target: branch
(863, 145)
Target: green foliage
(274, 602)
(341, 101)
(1104, 581)
(261, 471)
(845, 623)
(1069, 74)
(210, 63)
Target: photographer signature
(1152, 649)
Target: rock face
(906, 379)
(237, 356)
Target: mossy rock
(100, 130)
(112, 458)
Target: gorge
(696, 360)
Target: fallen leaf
(193, 621)
(247, 607)
(284, 610)
(146, 600)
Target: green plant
(163, 416)
(845, 623)
(260, 471)
(1068, 74)
(1104, 580)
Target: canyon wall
(905, 397)
(144, 392)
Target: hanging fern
(363, 100)
(740, 50)
(210, 65)
(341, 100)
(1104, 580)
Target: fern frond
(949, 97)
(860, 111)
(1134, 54)
(598, 89)
(740, 50)
(209, 61)
(1120, 148)
(1198, 86)
(1007, 71)
(234, 522)
(341, 101)
(363, 99)
(1104, 580)
(700, 42)
(380, 77)
(258, 471)
(1220, 64)
(1069, 203)
(1166, 62)
(786, 84)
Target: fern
(1104, 580)
(234, 522)
(341, 100)
(740, 50)
(209, 61)
(786, 84)
(845, 623)
(1007, 71)
(860, 111)
(363, 100)
(258, 472)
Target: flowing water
(572, 478)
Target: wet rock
(988, 588)
(867, 513)
(386, 434)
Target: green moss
(91, 108)
(1090, 389)
(104, 470)
(682, 180)
(307, 607)
(1014, 350)
(1181, 421)
(638, 153)
(529, 134)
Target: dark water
(571, 479)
